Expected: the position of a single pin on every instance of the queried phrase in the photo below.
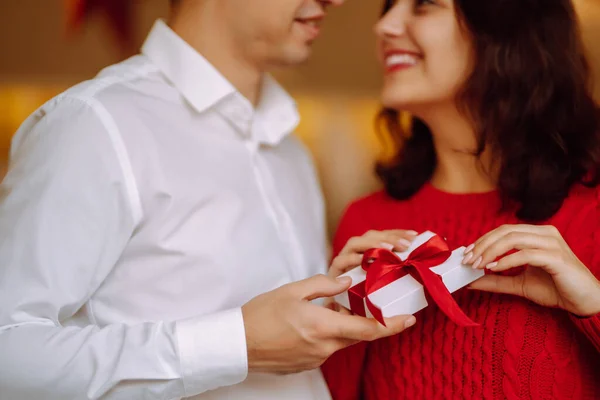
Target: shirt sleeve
(343, 370)
(68, 208)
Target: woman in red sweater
(502, 156)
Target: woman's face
(425, 53)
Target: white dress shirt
(140, 211)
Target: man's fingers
(333, 306)
(500, 284)
(353, 327)
(319, 286)
(343, 310)
(395, 325)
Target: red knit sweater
(521, 350)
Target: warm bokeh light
(336, 92)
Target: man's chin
(293, 57)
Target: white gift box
(406, 295)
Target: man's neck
(199, 27)
(458, 170)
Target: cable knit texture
(521, 350)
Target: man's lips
(312, 25)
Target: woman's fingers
(508, 237)
(398, 240)
(344, 263)
(500, 284)
(544, 259)
(351, 255)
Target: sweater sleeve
(343, 369)
(583, 236)
(590, 327)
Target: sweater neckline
(431, 196)
(429, 187)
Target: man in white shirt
(145, 211)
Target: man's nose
(335, 3)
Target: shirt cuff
(590, 327)
(212, 351)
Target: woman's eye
(422, 5)
(424, 2)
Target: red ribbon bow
(384, 267)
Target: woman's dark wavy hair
(529, 97)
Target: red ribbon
(384, 267)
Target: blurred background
(46, 46)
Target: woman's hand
(555, 276)
(351, 254)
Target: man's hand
(286, 333)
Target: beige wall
(34, 47)
(336, 91)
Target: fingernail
(470, 248)
(410, 322)
(479, 260)
(387, 246)
(404, 243)
(467, 258)
(492, 265)
(412, 233)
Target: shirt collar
(277, 114)
(204, 87)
